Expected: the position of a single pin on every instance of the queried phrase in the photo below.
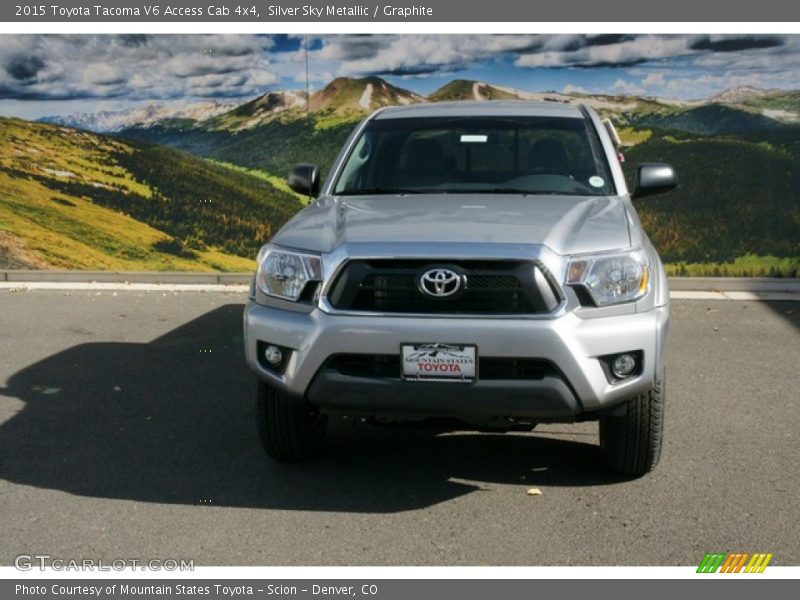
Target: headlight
(612, 278)
(285, 273)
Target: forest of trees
(736, 197)
(273, 147)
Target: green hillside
(710, 119)
(272, 147)
(736, 198)
(789, 101)
(74, 199)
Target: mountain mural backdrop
(200, 185)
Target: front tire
(632, 443)
(289, 431)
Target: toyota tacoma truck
(477, 263)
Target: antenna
(308, 97)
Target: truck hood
(565, 224)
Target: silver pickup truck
(479, 264)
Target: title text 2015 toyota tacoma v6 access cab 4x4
(474, 262)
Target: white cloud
(654, 80)
(313, 76)
(574, 89)
(621, 86)
(139, 67)
(102, 75)
(628, 52)
(142, 68)
(411, 54)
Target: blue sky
(60, 74)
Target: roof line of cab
(477, 108)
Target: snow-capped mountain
(365, 94)
(346, 96)
(258, 110)
(739, 94)
(140, 116)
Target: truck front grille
(488, 287)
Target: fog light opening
(623, 366)
(273, 355)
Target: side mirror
(304, 179)
(654, 178)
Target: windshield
(513, 155)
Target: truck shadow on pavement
(171, 421)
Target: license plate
(439, 362)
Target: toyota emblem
(440, 283)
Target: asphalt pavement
(126, 431)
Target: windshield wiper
(532, 192)
(505, 190)
(376, 191)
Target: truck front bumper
(577, 384)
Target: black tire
(289, 431)
(632, 443)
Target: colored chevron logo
(734, 562)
